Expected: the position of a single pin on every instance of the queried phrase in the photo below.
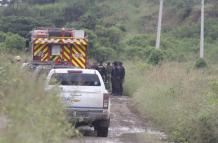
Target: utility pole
(159, 24)
(202, 31)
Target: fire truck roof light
(79, 33)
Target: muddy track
(126, 126)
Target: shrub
(155, 57)
(14, 42)
(21, 25)
(132, 82)
(184, 104)
(104, 54)
(73, 12)
(33, 115)
(200, 63)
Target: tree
(20, 25)
(89, 21)
(40, 1)
(73, 12)
(103, 54)
(14, 42)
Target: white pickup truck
(84, 94)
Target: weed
(182, 103)
(33, 115)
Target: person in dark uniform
(122, 77)
(94, 66)
(115, 79)
(102, 70)
(108, 75)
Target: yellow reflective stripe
(45, 58)
(74, 50)
(45, 50)
(74, 63)
(56, 57)
(78, 61)
(83, 42)
(39, 49)
(36, 47)
(83, 66)
(66, 55)
(37, 41)
(83, 59)
(78, 48)
(77, 42)
(83, 47)
(67, 49)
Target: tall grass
(181, 100)
(32, 114)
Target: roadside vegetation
(117, 30)
(179, 94)
(32, 115)
(177, 97)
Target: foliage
(200, 63)
(32, 114)
(180, 100)
(125, 26)
(73, 12)
(88, 21)
(20, 25)
(41, 1)
(2, 37)
(14, 42)
(104, 54)
(155, 57)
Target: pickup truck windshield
(78, 79)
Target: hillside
(178, 99)
(123, 28)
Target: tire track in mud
(125, 127)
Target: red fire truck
(59, 46)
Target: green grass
(179, 99)
(33, 115)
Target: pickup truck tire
(101, 126)
(102, 132)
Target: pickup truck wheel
(102, 132)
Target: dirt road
(126, 127)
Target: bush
(200, 63)
(33, 115)
(73, 12)
(132, 82)
(2, 37)
(155, 57)
(104, 54)
(14, 42)
(184, 104)
(21, 25)
(88, 21)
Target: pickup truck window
(75, 79)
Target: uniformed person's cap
(18, 58)
(115, 63)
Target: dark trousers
(116, 87)
(121, 88)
